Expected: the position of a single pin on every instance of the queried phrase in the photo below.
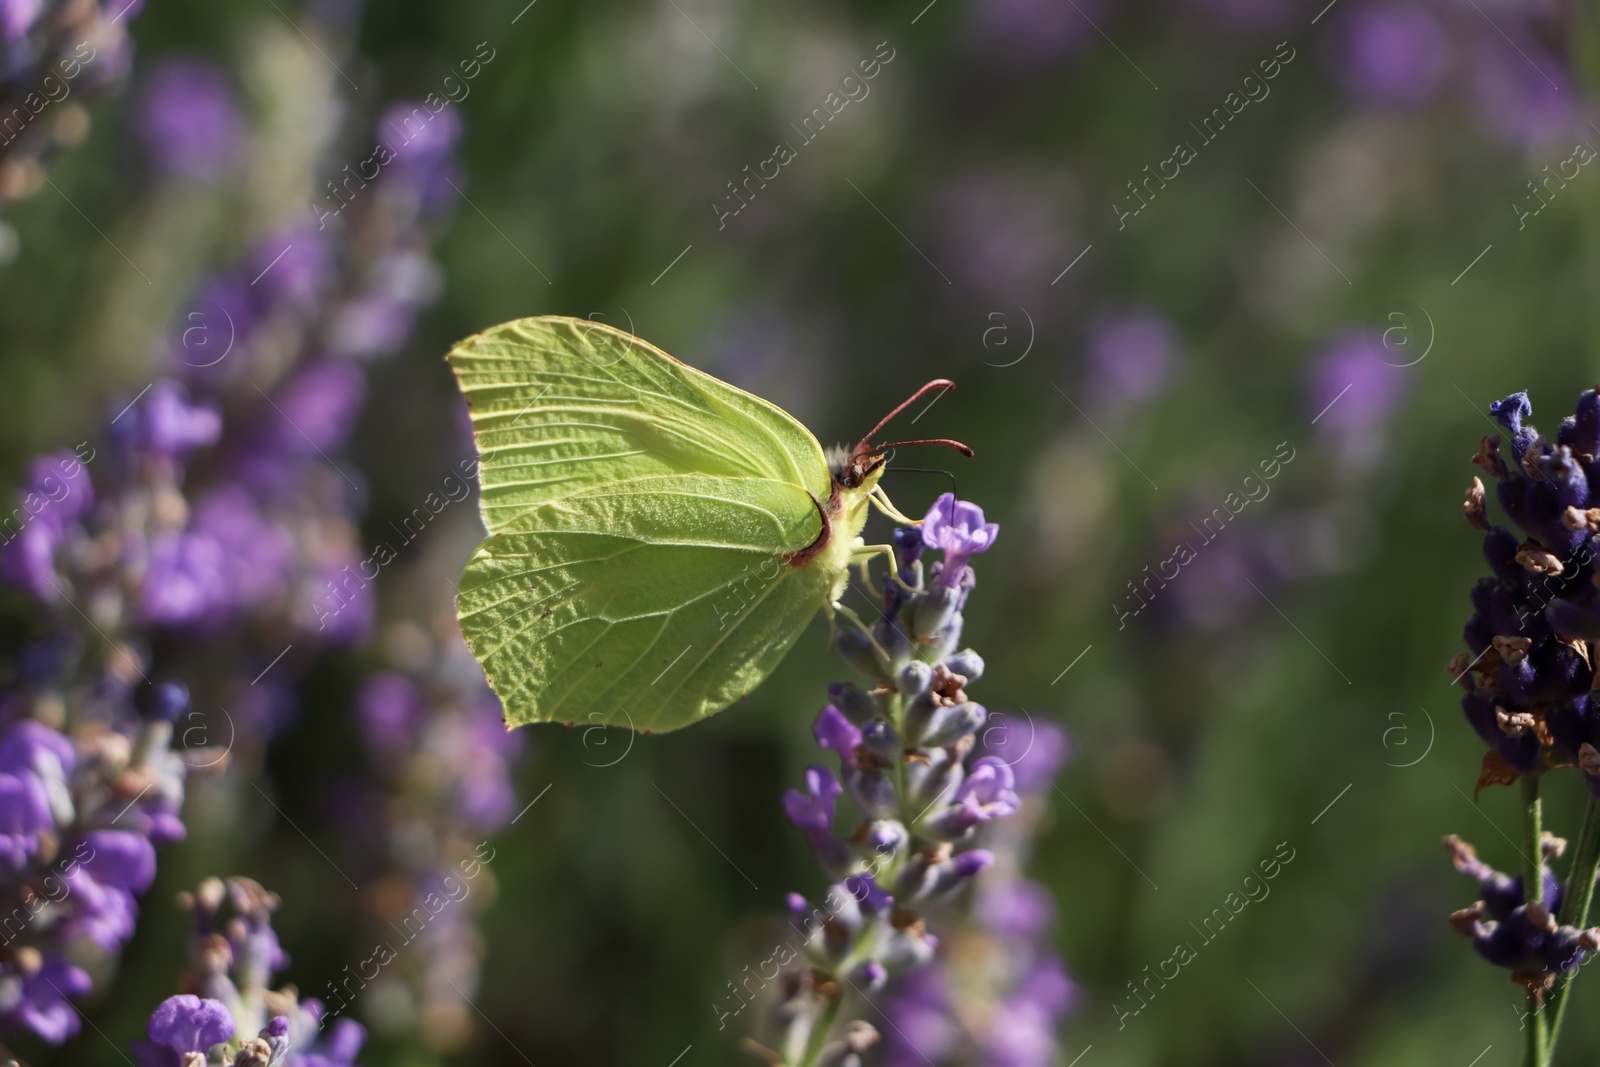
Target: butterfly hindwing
(652, 602)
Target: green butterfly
(658, 539)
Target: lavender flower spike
(932, 795)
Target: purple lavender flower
(165, 424)
(1129, 359)
(1508, 931)
(812, 811)
(188, 121)
(389, 708)
(1390, 55)
(56, 495)
(1523, 92)
(1035, 31)
(184, 1024)
(987, 792)
(339, 1049)
(907, 752)
(292, 269)
(957, 529)
(17, 16)
(1350, 387)
(1527, 687)
(38, 1000)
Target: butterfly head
(853, 467)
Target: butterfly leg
(881, 500)
(861, 554)
(850, 614)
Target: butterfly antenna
(945, 441)
(937, 383)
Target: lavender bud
(907, 948)
(857, 706)
(870, 976)
(950, 724)
(966, 663)
(873, 790)
(892, 636)
(887, 837)
(944, 640)
(934, 610)
(855, 648)
(880, 739)
(919, 712)
(933, 781)
(916, 677)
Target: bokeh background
(1347, 274)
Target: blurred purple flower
(41, 1003)
(1035, 31)
(1389, 55)
(389, 708)
(339, 1048)
(165, 424)
(371, 326)
(1019, 909)
(1129, 358)
(187, 119)
(57, 493)
(1523, 92)
(318, 408)
(1246, 14)
(1002, 234)
(418, 136)
(291, 268)
(1349, 389)
(17, 16)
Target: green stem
(1538, 1044)
(1575, 907)
(821, 1029)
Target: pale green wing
(650, 603)
(561, 405)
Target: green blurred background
(1301, 659)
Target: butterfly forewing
(560, 405)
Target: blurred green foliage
(595, 144)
